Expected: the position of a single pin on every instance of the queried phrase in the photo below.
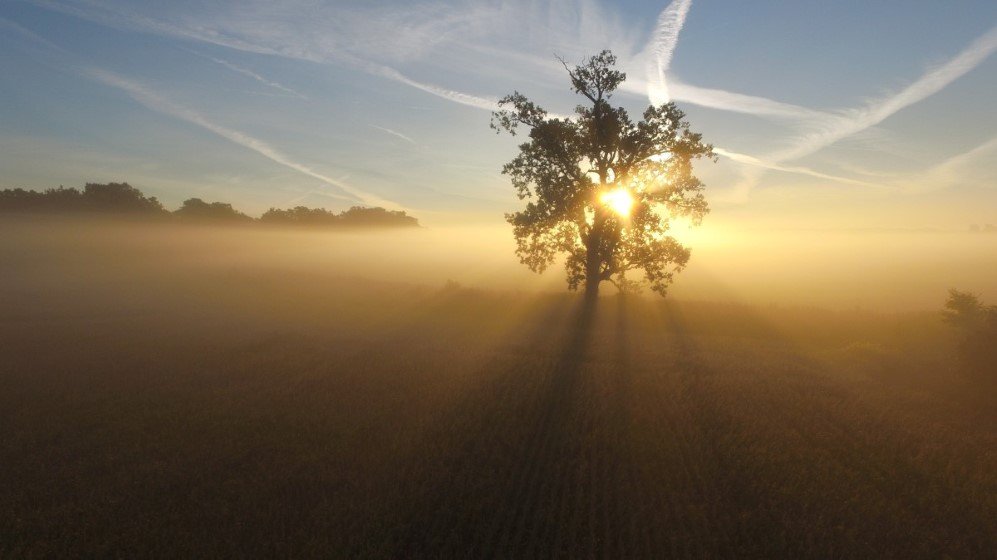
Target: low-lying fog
(881, 271)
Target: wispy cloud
(486, 103)
(853, 121)
(956, 170)
(734, 102)
(960, 160)
(247, 72)
(160, 104)
(740, 103)
(366, 38)
(28, 34)
(661, 48)
(397, 42)
(394, 133)
(798, 169)
(931, 82)
(659, 52)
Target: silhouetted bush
(977, 324)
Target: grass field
(157, 402)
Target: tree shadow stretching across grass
(508, 477)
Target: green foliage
(568, 164)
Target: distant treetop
(124, 199)
(355, 216)
(197, 209)
(120, 198)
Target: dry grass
(194, 409)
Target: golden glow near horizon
(619, 200)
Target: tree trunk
(592, 288)
(592, 269)
(593, 258)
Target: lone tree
(601, 188)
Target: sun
(618, 200)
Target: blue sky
(826, 114)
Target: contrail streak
(662, 47)
(30, 35)
(250, 73)
(488, 104)
(289, 48)
(393, 133)
(931, 82)
(950, 172)
(660, 51)
(740, 103)
(856, 120)
(965, 157)
(162, 105)
(755, 162)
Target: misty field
(167, 393)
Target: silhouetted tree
(52, 200)
(300, 216)
(377, 216)
(118, 198)
(601, 188)
(977, 324)
(355, 216)
(122, 198)
(63, 199)
(195, 209)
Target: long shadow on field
(857, 489)
(505, 484)
(605, 436)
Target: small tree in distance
(977, 325)
(601, 188)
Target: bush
(977, 324)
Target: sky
(825, 115)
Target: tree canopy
(116, 198)
(356, 216)
(600, 188)
(199, 210)
(122, 199)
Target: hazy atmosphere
(498, 279)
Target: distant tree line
(357, 215)
(123, 199)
